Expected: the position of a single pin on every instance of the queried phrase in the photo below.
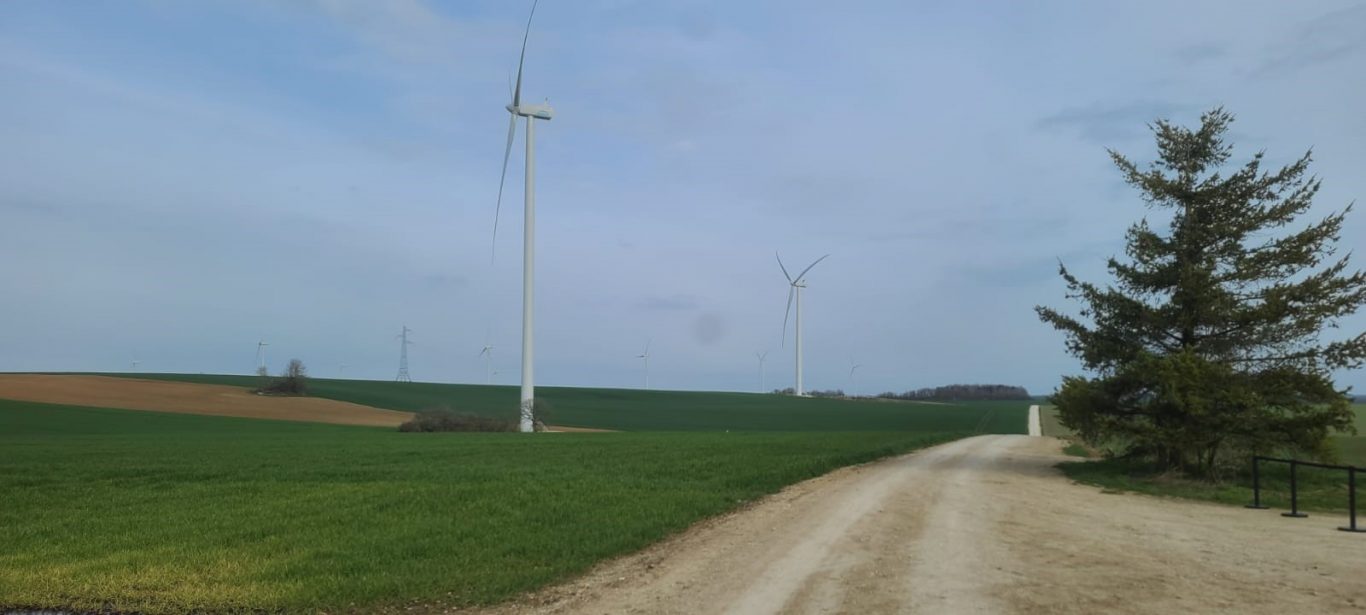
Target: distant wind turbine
(531, 113)
(852, 367)
(261, 357)
(136, 363)
(487, 353)
(761, 356)
(645, 356)
(795, 286)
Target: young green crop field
(132, 511)
(641, 410)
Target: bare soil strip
(211, 399)
(982, 525)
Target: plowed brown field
(218, 400)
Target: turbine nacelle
(542, 111)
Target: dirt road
(982, 525)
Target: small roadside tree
(294, 381)
(1207, 345)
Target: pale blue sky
(179, 179)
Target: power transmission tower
(403, 356)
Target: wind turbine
(761, 356)
(531, 113)
(795, 288)
(135, 364)
(645, 356)
(852, 366)
(261, 357)
(487, 353)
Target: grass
(1318, 489)
(110, 510)
(1352, 449)
(640, 410)
(1049, 423)
(1076, 450)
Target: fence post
(1256, 484)
(1294, 493)
(1352, 501)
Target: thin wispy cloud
(1333, 37)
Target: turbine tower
(795, 286)
(403, 356)
(852, 366)
(761, 356)
(532, 113)
(135, 364)
(261, 357)
(645, 356)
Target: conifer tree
(1217, 337)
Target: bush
(445, 419)
(541, 411)
(294, 381)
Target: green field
(135, 511)
(640, 410)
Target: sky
(180, 180)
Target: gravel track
(981, 525)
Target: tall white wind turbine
(795, 286)
(532, 113)
(852, 368)
(761, 356)
(645, 356)
(261, 357)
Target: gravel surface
(981, 525)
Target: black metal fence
(1294, 488)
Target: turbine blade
(647, 347)
(787, 313)
(780, 264)
(517, 92)
(803, 273)
(502, 180)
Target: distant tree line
(962, 392)
(813, 393)
(952, 392)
